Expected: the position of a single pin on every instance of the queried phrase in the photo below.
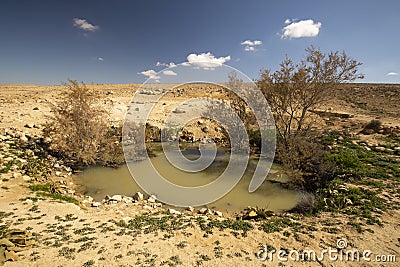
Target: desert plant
(296, 89)
(78, 127)
(372, 127)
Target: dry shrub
(79, 128)
(306, 161)
(372, 127)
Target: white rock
(17, 174)
(152, 199)
(96, 204)
(58, 173)
(218, 213)
(89, 198)
(126, 219)
(190, 208)
(174, 212)
(117, 198)
(138, 196)
(28, 200)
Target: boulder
(96, 204)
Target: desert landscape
(46, 220)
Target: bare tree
(296, 89)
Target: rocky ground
(44, 222)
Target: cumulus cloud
(169, 65)
(151, 74)
(303, 28)
(169, 73)
(205, 60)
(100, 59)
(250, 45)
(392, 74)
(84, 25)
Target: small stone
(117, 198)
(190, 208)
(152, 199)
(126, 219)
(17, 175)
(28, 201)
(58, 173)
(6, 242)
(252, 214)
(96, 204)
(29, 125)
(23, 138)
(138, 196)
(203, 210)
(35, 108)
(380, 148)
(174, 212)
(11, 256)
(89, 198)
(218, 213)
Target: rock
(11, 256)
(29, 125)
(174, 212)
(117, 198)
(218, 213)
(17, 175)
(203, 210)
(89, 198)
(96, 204)
(190, 208)
(26, 178)
(127, 200)
(35, 108)
(28, 201)
(397, 148)
(380, 148)
(126, 219)
(178, 111)
(58, 173)
(5, 242)
(138, 196)
(252, 214)
(152, 199)
(23, 139)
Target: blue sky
(47, 42)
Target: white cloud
(249, 48)
(288, 21)
(251, 45)
(169, 65)
(392, 74)
(84, 25)
(206, 60)
(169, 73)
(303, 28)
(151, 74)
(100, 59)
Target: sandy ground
(71, 235)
